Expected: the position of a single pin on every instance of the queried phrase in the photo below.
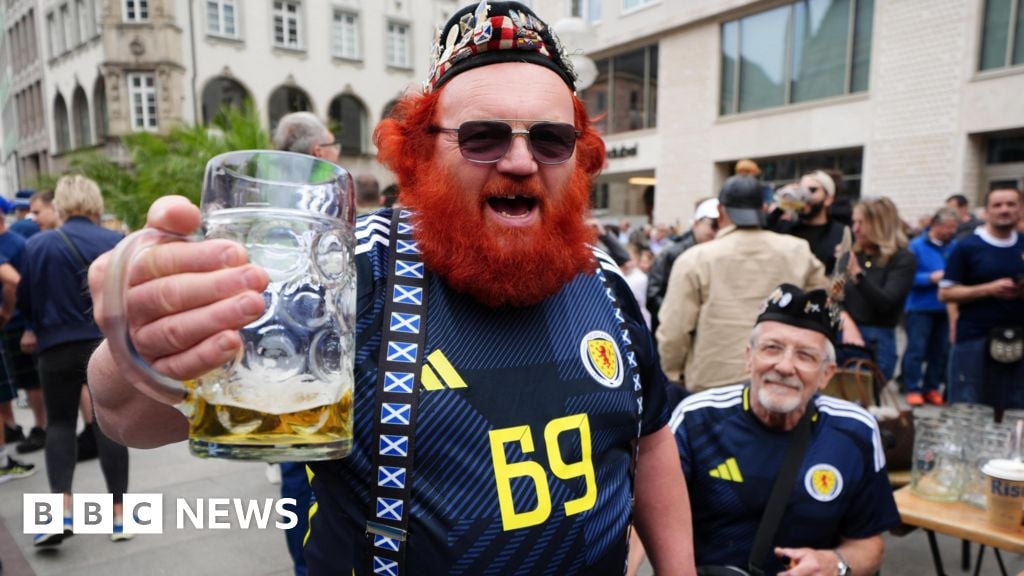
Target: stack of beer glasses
(985, 443)
(938, 467)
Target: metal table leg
(999, 558)
(965, 555)
(981, 554)
(936, 557)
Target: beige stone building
(913, 99)
(24, 148)
(106, 68)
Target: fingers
(174, 214)
(185, 257)
(213, 352)
(166, 296)
(97, 272)
(178, 333)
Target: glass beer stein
(287, 396)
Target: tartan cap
(491, 33)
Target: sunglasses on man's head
(486, 141)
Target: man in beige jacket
(715, 290)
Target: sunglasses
(487, 141)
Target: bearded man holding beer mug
(511, 435)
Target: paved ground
(173, 472)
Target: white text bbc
(144, 513)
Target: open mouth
(514, 210)
(512, 206)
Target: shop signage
(623, 151)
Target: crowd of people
(48, 336)
(700, 303)
(582, 439)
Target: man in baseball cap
(716, 288)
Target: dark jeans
(976, 378)
(927, 341)
(883, 341)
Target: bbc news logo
(144, 513)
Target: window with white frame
(631, 4)
(56, 37)
(83, 13)
(287, 25)
(398, 45)
(589, 10)
(142, 99)
(1002, 34)
(135, 10)
(797, 52)
(345, 35)
(222, 18)
(67, 27)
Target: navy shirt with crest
(524, 402)
(977, 259)
(731, 459)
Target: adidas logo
(727, 470)
(438, 371)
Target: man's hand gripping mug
(287, 396)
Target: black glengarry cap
(810, 310)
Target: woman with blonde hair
(54, 295)
(881, 275)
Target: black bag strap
(781, 491)
(403, 339)
(74, 250)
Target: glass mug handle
(115, 319)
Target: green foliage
(162, 165)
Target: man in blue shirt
(926, 319)
(536, 347)
(733, 440)
(18, 369)
(985, 278)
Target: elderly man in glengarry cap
(737, 442)
(541, 407)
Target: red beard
(497, 265)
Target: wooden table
(958, 520)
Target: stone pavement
(173, 472)
(170, 471)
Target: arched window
(285, 100)
(83, 128)
(61, 126)
(347, 117)
(221, 93)
(99, 108)
(388, 108)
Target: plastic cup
(1005, 492)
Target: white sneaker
(273, 472)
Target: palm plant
(161, 165)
